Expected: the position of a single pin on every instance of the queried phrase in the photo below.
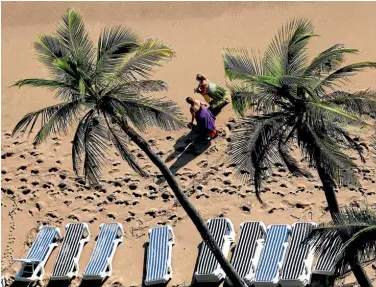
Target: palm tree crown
(299, 104)
(360, 224)
(101, 89)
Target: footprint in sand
(73, 217)
(34, 171)
(22, 167)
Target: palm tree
(300, 105)
(103, 91)
(360, 225)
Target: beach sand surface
(39, 186)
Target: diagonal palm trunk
(328, 186)
(187, 205)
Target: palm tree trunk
(207, 237)
(331, 198)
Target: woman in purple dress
(204, 118)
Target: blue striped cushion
(41, 245)
(272, 253)
(102, 249)
(157, 257)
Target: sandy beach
(39, 186)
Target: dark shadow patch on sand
(59, 283)
(92, 283)
(187, 148)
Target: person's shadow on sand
(187, 148)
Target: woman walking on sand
(213, 94)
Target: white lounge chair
(158, 263)
(248, 250)
(297, 269)
(100, 263)
(325, 264)
(66, 263)
(208, 268)
(272, 255)
(4, 281)
(33, 265)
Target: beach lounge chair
(272, 255)
(33, 265)
(100, 263)
(208, 268)
(66, 263)
(297, 268)
(325, 264)
(247, 252)
(4, 281)
(158, 263)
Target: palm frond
(329, 60)
(113, 45)
(362, 243)
(290, 162)
(74, 38)
(147, 111)
(334, 113)
(150, 54)
(359, 103)
(66, 90)
(341, 75)
(355, 224)
(96, 147)
(286, 54)
(119, 139)
(323, 152)
(64, 117)
(49, 51)
(78, 144)
(30, 119)
(253, 148)
(139, 86)
(238, 64)
(245, 98)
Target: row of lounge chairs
(262, 257)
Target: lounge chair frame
(218, 274)
(168, 275)
(305, 277)
(37, 266)
(73, 273)
(327, 260)
(108, 269)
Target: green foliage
(359, 224)
(299, 106)
(102, 89)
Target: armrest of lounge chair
(26, 260)
(256, 256)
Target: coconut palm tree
(296, 101)
(360, 225)
(103, 90)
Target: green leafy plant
(297, 102)
(103, 90)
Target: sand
(38, 185)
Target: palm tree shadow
(186, 148)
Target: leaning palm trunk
(356, 266)
(187, 205)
